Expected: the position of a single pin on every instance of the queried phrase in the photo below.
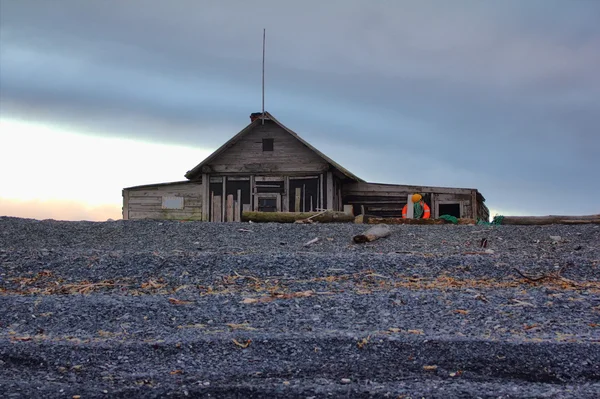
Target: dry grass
(364, 282)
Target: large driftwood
(551, 219)
(372, 234)
(291, 217)
(378, 220)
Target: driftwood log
(372, 234)
(292, 217)
(378, 220)
(551, 219)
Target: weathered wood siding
(387, 200)
(146, 202)
(247, 156)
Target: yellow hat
(416, 197)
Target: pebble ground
(155, 309)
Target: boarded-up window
(267, 144)
(172, 202)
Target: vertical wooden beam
(224, 199)
(474, 204)
(304, 198)
(409, 207)
(297, 199)
(321, 191)
(229, 210)
(212, 206)
(329, 190)
(286, 194)
(433, 210)
(125, 194)
(206, 197)
(216, 206)
(238, 206)
(252, 200)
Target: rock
(345, 381)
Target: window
(267, 144)
(267, 204)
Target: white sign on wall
(172, 202)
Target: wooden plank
(297, 199)
(329, 190)
(261, 166)
(286, 196)
(238, 178)
(193, 201)
(206, 197)
(349, 210)
(377, 187)
(125, 209)
(212, 206)
(217, 204)
(321, 194)
(168, 215)
(160, 193)
(238, 205)
(224, 204)
(474, 204)
(311, 204)
(409, 208)
(268, 178)
(229, 210)
(304, 198)
(303, 177)
(146, 201)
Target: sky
(501, 96)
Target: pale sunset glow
(51, 173)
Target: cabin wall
(483, 213)
(162, 201)
(246, 156)
(387, 200)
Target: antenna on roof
(263, 78)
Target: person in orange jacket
(421, 209)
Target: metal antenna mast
(263, 78)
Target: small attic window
(267, 144)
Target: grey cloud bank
(502, 96)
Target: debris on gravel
(157, 308)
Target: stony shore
(155, 309)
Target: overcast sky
(503, 96)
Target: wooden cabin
(268, 167)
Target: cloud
(500, 96)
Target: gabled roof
(197, 170)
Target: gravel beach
(152, 309)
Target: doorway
(452, 209)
